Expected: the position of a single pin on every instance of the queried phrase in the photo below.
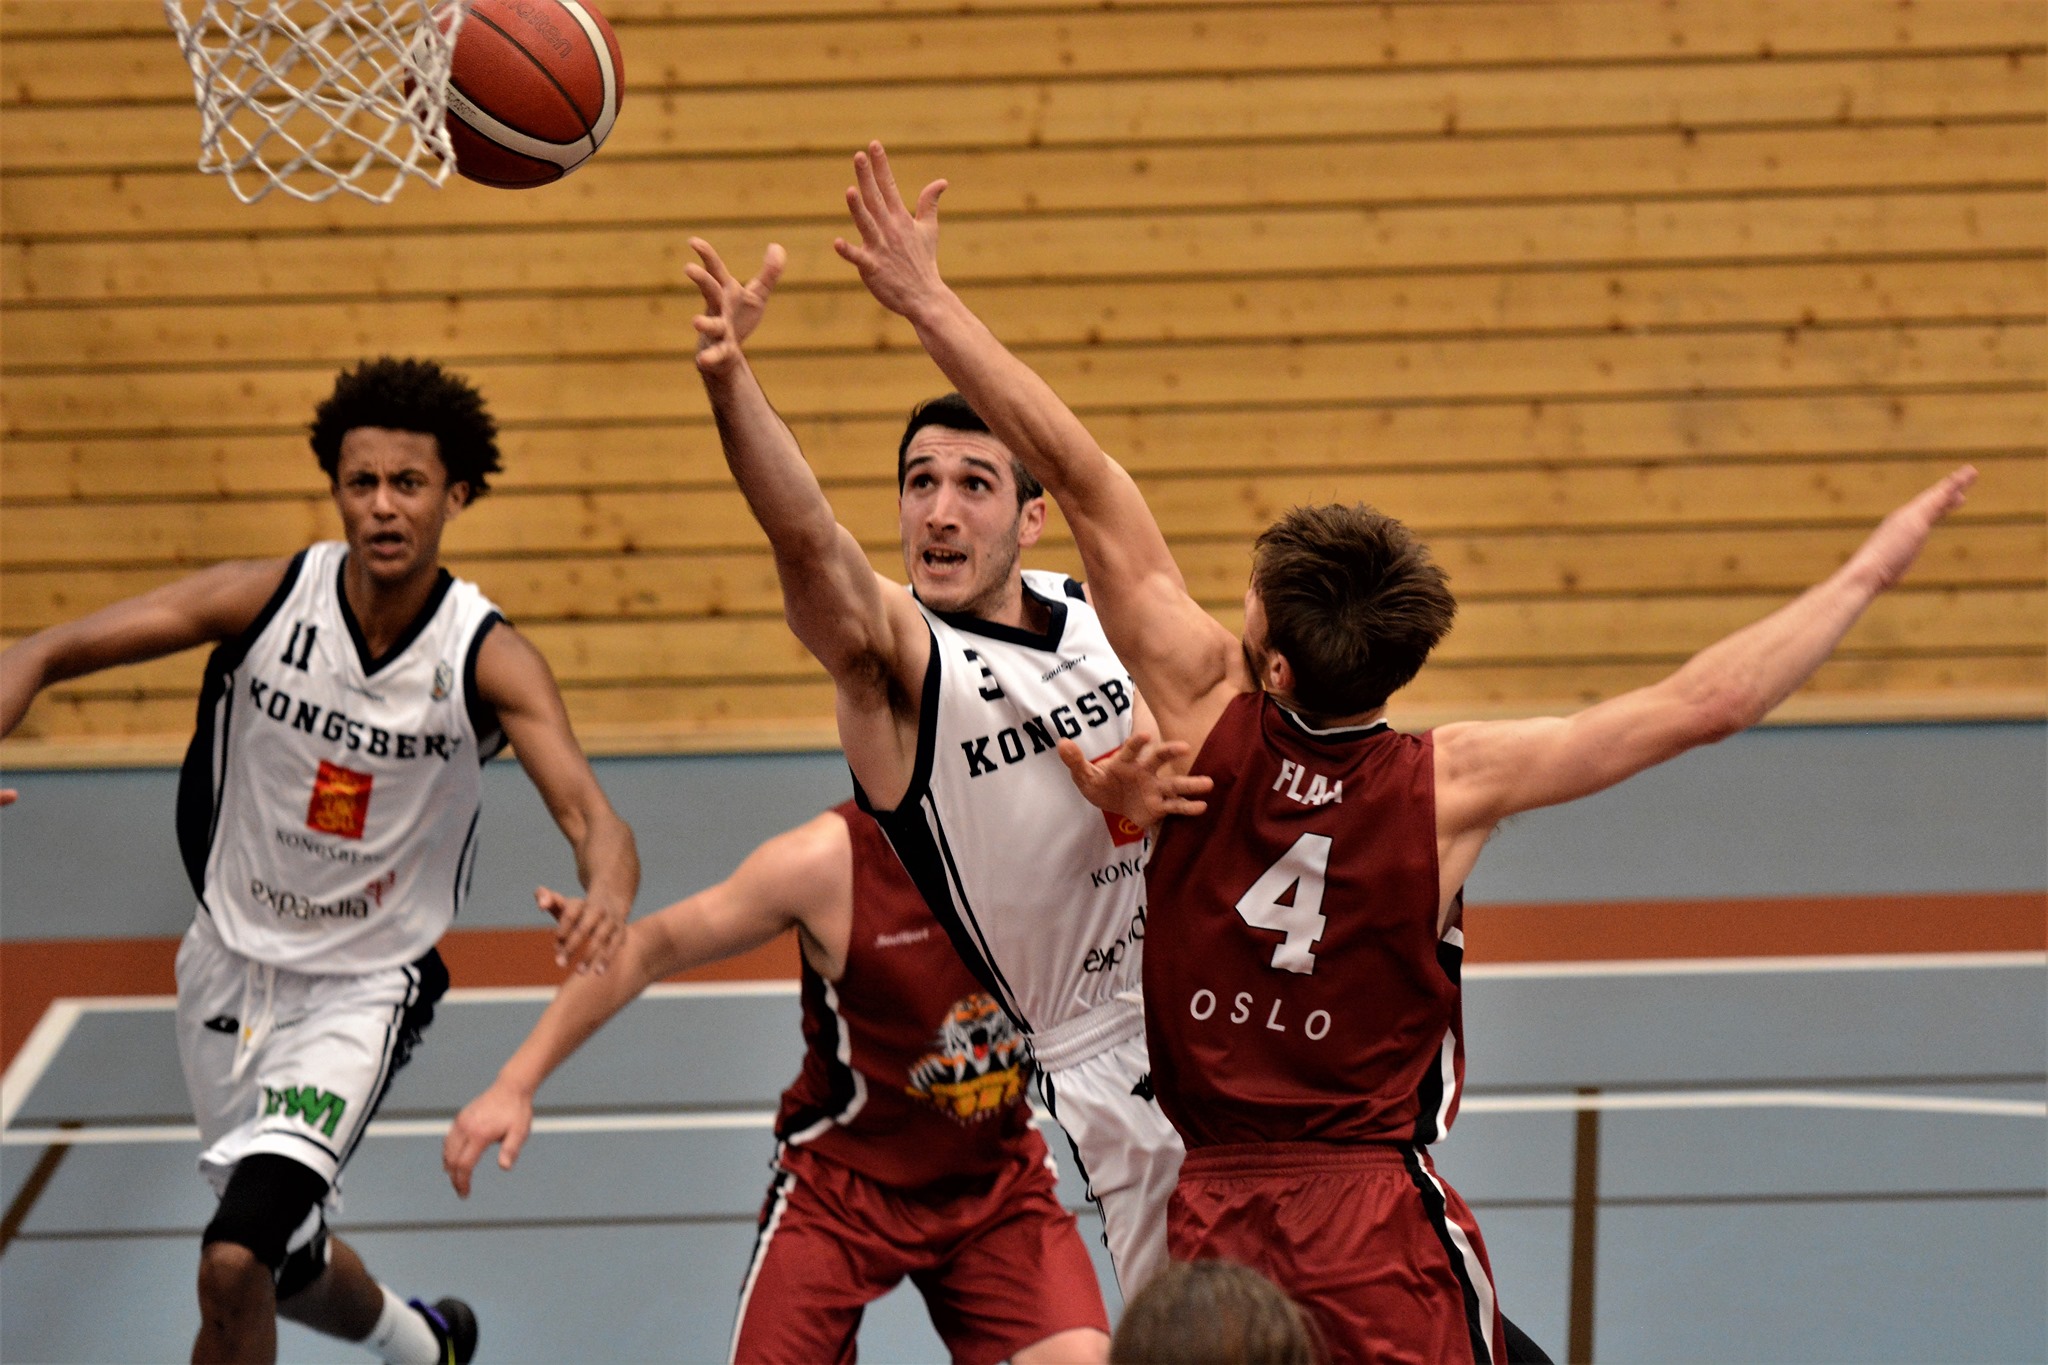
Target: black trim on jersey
(460, 891)
(909, 833)
(842, 1086)
(1047, 642)
(201, 778)
(1429, 1096)
(1075, 590)
(442, 583)
(1439, 1219)
(483, 717)
(429, 976)
(1087, 1185)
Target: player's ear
(1279, 679)
(459, 493)
(1030, 522)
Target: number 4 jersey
(1296, 989)
(327, 809)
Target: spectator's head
(1212, 1313)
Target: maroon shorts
(1001, 1265)
(1385, 1257)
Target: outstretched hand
(898, 255)
(1135, 781)
(587, 932)
(1891, 549)
(731, 310)
(501, 1115)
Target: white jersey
(327, 809)
(1042, 893)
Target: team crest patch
(977, 1066)
(1122, 828)
(444, 680)
(341, 801)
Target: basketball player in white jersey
(952, 699)
(327, 816)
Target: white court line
(36, 1054)
(64, 1013)
(1721, 966)
(729, 1120)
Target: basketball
(535, 89)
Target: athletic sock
(402, 1336)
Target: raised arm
(865, 631)
(1182, 659)
(1489, 770)
(803, 878)
(213, 604)
(513, 677)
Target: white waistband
(1116, 1020)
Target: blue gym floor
(1805, 1160)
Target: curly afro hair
(411, 395)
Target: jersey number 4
(1301, 869)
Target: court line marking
(1723, 966)
(64, 1013)
(41, 1049)
(737, 1119)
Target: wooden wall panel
(1641, 312)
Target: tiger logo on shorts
(977, 1067)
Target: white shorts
(288, 1062)
(1128, 1152)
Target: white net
(315, 96)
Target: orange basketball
(535, 89)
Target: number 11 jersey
(1296, 988)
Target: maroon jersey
(913, 1074)
(1295, 986)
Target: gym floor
(1796, 1159)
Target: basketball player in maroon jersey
(905, 1145)
(1301, 969)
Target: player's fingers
(1189, 785)
(867, 174)
(714, 263)
(1076, 761)
(863, 218)
(458, 1157)
(772, 265)
(573, 942)
(928, 201)
(714, 297)
(510, 1145)
(1181, 805)
(550, 902)
(855, 256)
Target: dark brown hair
(1353, 601)
(411, 395)
(951, 411)
(1212, 1313)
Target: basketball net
(315, 96)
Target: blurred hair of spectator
(1212, 1313)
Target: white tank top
(1042, 893)
(327, 809)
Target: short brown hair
(1212, 1313)
(1353, 601)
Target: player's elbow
(1722, 709)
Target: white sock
(402, 1336)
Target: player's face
(394, 497)
(962, 527)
